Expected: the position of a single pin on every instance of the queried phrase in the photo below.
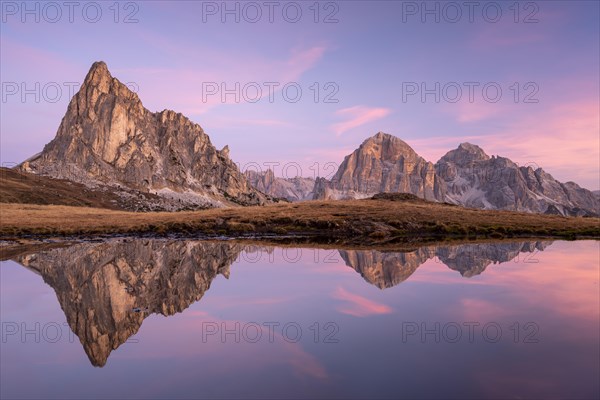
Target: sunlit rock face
(387, 269)
(382, 163)
(474, 179)
(106, 290)
(107, 138)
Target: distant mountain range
(465, 176)
(108, 142)
(291, 189)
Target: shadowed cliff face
(107, 289)
(388, 269)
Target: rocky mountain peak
(107, 138)
(387, 147)
(382, 163)
(98, 75)
(225, 151)
(465, 153)
(99, 81)
(472, 150)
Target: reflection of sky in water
(167, 358)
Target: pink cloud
(466, 112)
(264, 122)
(359, 306)
(567, 287)
(564, 141)
(224, 354)
(561, 136)
(302, 60)
(568, 291)
(475, 309)
(357, 116)
(233, 122)
(41, 63)
(233, 78)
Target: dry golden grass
(358, 221)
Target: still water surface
(133, 318)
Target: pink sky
(350, 73)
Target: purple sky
(369, 60)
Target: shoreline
(342, 222)
(14, 247)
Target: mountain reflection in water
(107, 289)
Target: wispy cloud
(191, 327)
(36, 62)
(244, 122)
(359, 306)
(224, 79)
(357, 116)
(564, 141)
(466, 112)
(302, 60)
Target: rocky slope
(108, 139)
(474, 179)
(107, 289)
(465, 176)
(382, 163)
(291, 189)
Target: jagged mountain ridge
(474, 179)
(108, 139)
(291, 189)
(466, 176)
